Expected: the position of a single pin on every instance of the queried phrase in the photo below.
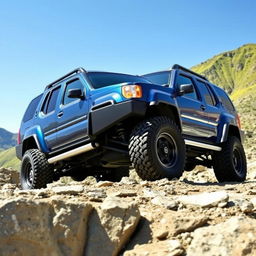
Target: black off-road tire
(157, 149)
(230, 163)
(35, 171)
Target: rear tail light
(18, 138)
(238, 121)
(132, 91)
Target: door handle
(60, 114)
(203, 107)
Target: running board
(202, 145)
(71, 153)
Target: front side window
(50, 101)
(75, 84)
(181, 79)
(160, 78)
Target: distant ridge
(7, 139)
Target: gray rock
(105, 183)
(153, 193)
(162, 248)
(97, 195)
(245, 206)
(70, 190)
(233, 237)
(205, 199)
(165, 202)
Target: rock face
(51, 228)
(232, 238)
(56, 227)
(190, 216)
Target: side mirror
(75, 93)
(186, 88)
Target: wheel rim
(166, 149)
(29, 174)
(238, 161)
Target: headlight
(132, 91)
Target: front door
(72, 116)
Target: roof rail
(177, 66)
(75, 71)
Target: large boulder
(235, 237)
(111, 226)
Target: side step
(202, 145)
(73, 152)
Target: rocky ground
(191, 216)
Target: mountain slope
(235, 71)
(7, 139)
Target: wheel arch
(30, 142)
(231, 130)
(164, 109)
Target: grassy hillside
(235, 71)
(8, 159)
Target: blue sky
(44, 39)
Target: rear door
(72, 116)
(211, 108)
(193, 111)
(47, 117)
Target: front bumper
(103, 118)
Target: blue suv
(101, 123)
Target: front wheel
(157, 149)
(230, 163)
(35, 171)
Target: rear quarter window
(30, 112)
(226, 101)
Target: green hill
(8, 159)
(235, 71)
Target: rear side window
(50, 101)
(160, 78)
(30, 112)
(186, 80)
(226, 102)
(75, 84)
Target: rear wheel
(157, 149)
(230, 163)
(35, 171)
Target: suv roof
(179, 67)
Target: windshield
(102, 79)
(160, 78)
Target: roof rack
(177, 66)
(75, 71)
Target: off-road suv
(100, 123)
